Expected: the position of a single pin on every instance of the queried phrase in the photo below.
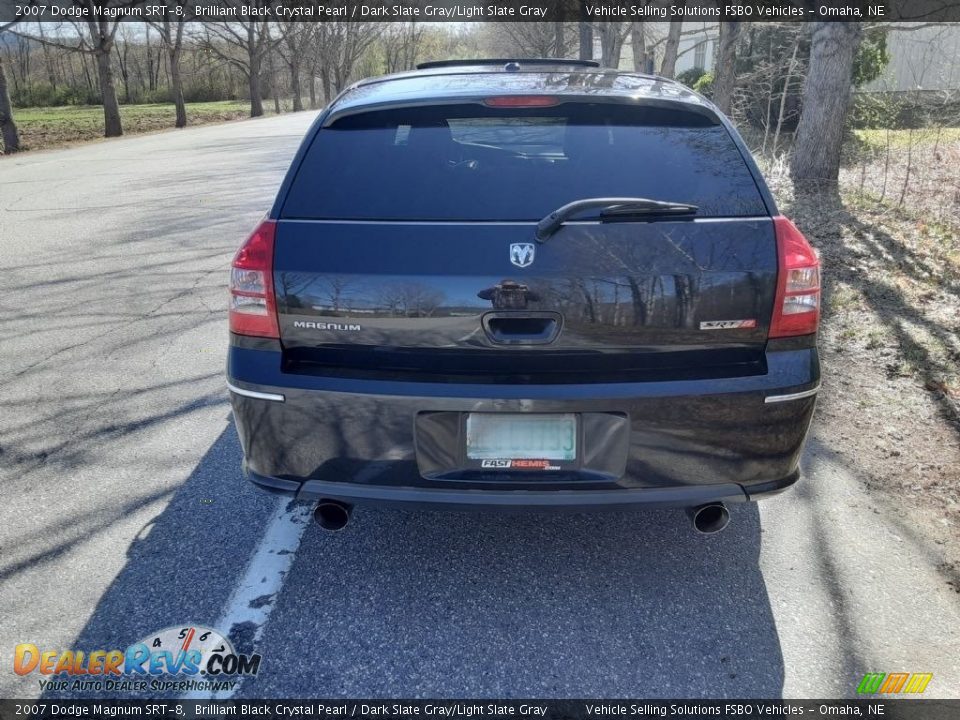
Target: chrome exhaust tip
(332, 515)
(710, 518)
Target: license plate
(525, 436)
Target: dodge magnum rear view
(523, 285)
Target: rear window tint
(470, 162)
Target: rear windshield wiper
(613, 208)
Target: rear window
(470, 162)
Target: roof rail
(507, 61)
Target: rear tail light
(796, 310)
(253, 307)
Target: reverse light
(521, 101)
(253, 309)
(796, 309)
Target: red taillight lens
(521, 101)
(253, 308)
(796, 310)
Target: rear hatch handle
(523, 328)
(614, 207)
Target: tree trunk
(274, 86)
(176, 88)
(559, 45)
(8, 128)
(313, 92)
(783, 95)
(325, 82)
(111, 108)
(668, 67)
(253, 79)
(124, 73)
(256, 97)
(815, 164)
(638, 44)
(271, 68)
(253, 85)
(725, 71)
(47, 60)
(295, 84)
(149, 58)
(586, 40)
(85, 61)
(611, 44)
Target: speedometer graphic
(183, 639)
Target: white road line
(255, 595)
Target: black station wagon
(524, 284)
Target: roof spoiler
(507, 61)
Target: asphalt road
(123, 510)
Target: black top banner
(506, 709)
(483, 10)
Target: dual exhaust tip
(710, 518)
(333, 515)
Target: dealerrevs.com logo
(177, 659)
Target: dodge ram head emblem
(521, 254)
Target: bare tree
(400, 43)
(102, 34)
(725, 75)
(668, 65)
(638, 44)
(95, 38)
(272, 70)
(815, 163)
(612, 37)
(341, 44)
(8, 128)
(521, 39)
(586, 33)
(297, 40)
(171, 32)
(559, 39)
(781, 113)
(122, 48)
(243, 44)
(417, 300)
(48, 60)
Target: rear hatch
(406, 248)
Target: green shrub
(704, 85)
(691, 76)
(45, 95)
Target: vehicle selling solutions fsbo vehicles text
(453, 710)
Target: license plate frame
(484, 443)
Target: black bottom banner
(912, 709)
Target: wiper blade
(613, 207)
(623, 213)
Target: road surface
(123, 509)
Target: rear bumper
(579, 500)
(678, 443)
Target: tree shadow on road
(183, 564)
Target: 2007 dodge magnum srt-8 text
(523, 284)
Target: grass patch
(876, 138)
(54, 126)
